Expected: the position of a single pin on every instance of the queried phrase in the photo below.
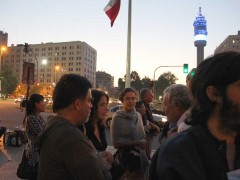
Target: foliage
(170, 77)
(121, 84)
(165, 80)
(146, 82)
(9, 80)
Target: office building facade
(52, 60)
(104, 81)
(3, 39)
(231, 43)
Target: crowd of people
(200, 140)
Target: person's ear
(213, 94)
(77, 104)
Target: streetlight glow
(44, 61)
(3, 48)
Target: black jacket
(194, 155)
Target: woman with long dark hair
(95, 127)
(34, 126)
(95, 130)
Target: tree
(9, 80)
(20, 90)
(136, 83)
(134, 76)
(170, 77)
(146, 82)
(165, 80)
(121, 84)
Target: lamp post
(44, 63)
(55, 75)
(1, 53)
(26, 49)
(154, 84)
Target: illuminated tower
(200, 35)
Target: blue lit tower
(200, 35)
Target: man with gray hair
(210, 148)
(176, 101)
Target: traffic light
(185, 68)
(26, 48)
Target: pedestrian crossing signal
(185, 68)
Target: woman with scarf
(127, 134)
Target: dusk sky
(162, 31)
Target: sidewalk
(9, 158)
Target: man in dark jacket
(211, 147)
(65, 151)
(146, 96)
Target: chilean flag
(112, 10)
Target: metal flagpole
(128, 64)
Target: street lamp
(44, 63)
(55, 75)
(1, 53)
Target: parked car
(160, 120)
(18, 100)
(111, 112)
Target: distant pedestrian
(2, 130)
(65, 151)
(211, 147)
(146, 96)
(34, 125)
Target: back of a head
(138, 105)
(178, 93)
(219, 71)
(69, 88)
(143, 92)
(31, 107)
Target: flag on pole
(112, 10)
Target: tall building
(52, 60)
(231, 43)
(3, 39)
(104, 81)
(200, 35)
